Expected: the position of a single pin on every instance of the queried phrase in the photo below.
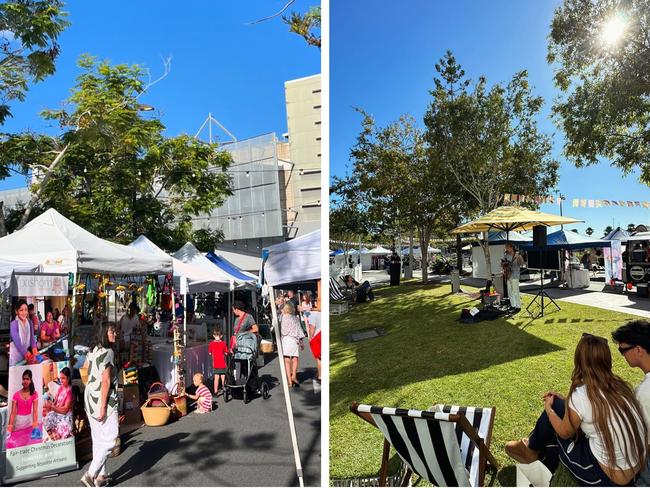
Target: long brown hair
(611, 398)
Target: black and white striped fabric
(335, 291)
(481, 420)
(426, 441)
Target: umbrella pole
(285, 387)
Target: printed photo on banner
(57, 401)
(36, 332)
(24, 426)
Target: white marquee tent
(8, 267)
(198, 279)
(292, 261)
(191, 255)
(61, 246)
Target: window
(316, 106)
(318, 138)
(316, 91)
(317, 123)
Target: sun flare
(613, 30)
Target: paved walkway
(236, 445)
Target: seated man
(633, 341)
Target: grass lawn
(428, 357)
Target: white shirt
(579, 402)
(128, 324)
(314, 320)
(642, 393)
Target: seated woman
(50, 331)
(57, 412)
(599, 434)
(365, 287)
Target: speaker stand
(539, 299)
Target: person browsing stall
(512, 263)
(244, 322)
(218, 350)
(129, 322)
(633, 340)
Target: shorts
(220, 370)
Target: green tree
(488, 137)
(601, 50)
(589, 231)
(306, 25)
(631, 228)
(406, 185)
(607, 230)
(29, 30)
(114, 172)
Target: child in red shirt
(218, 350)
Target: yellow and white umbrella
(509, 218)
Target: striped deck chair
(446, 445)
(335, 290)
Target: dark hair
(239, 305)
(134, 306)
(101, 340)
(30, 307)
(28, 373)
(20, 303)
(217, 331)
(66, 372)
(634, 333)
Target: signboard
(613, 258)
(39, 285)
(39, 433)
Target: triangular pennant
(583, 203)
(591, 203)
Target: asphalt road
(235, 445)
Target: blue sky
(220, 64)
(382, 60)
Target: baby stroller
(242, 370)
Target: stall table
(577, 278)
(197, 360)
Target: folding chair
(335, 290)
(446, 445)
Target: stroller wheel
(265, 390)
(245, 393)
(227, 395)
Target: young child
(218, 350)
(204, 403)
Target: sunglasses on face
(623, 350)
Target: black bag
(361, 295)
(466, 317)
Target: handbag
(233, 338)
(158, 394)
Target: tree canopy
(601, 50)
(29, 30)
(113, 171)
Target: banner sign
(575, 202)
(613, 258)
(39, 285)
(39, 432)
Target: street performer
(511, 265)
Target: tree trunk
(425, 235)
(459, 254)
(3, 226)
(37, 195)
(485, 244)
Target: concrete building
(303, 100)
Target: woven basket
(156, 416)
(180, 401)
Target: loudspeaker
(539, 236)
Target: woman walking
(292, 335)
(598, 432)
(100, 400)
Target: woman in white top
(599, 434)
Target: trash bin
(642, 290)
(395, 273)
(455, 281)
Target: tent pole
(285, 387)
(77, 278)
(184, 321)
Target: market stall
(497, 240)
(290, 262)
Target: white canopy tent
(380, 251)
(198, 279)
(61, 246)
(191, 255)
(8, 267)
(289, 262)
